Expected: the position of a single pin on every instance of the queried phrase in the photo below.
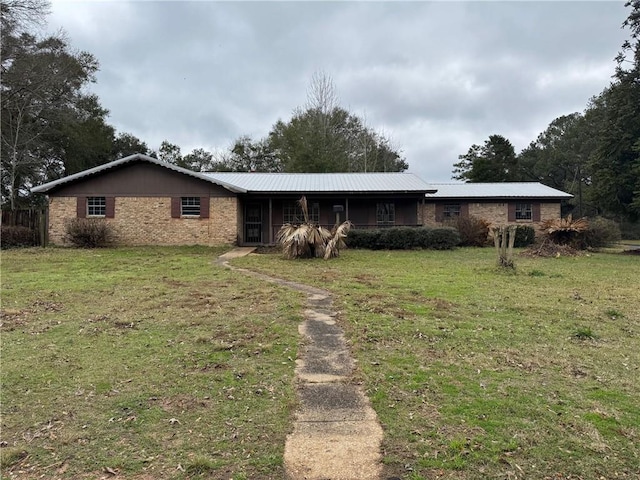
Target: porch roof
(301, 183)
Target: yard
(155, 363)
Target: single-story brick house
(153, 202)
(498, 203)
(148, 201)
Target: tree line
(594, 155)
(50, 126)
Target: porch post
(270, 222)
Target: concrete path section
(336, 435)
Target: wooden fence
(34, 219)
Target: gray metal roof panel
(323, 182)
(496, 190)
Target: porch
(260, 218)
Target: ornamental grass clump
(309, 240)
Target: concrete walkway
(336, 435)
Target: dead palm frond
(565, 225)
(306, 240)
(564, 231)
(336, 241)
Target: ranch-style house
(150, 202)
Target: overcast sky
(435, 77)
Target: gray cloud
(434, 76)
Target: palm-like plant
(308, 240)
(564, 230)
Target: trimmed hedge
(17, 236)
(404, 238)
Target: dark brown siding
(81, 207)
(142, 180)
(110, 207)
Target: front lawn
(481, 373)
(146, 363)
(156, 363)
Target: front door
(253, 223)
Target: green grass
(155, 363)
(140, 361)
(481, 373)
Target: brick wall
(496, 213)
(147, 221)
(61, 209)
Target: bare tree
(23, 14)
(321, 94)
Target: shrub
(443, 238)
(398, 238)
(89, 232)
(602, 232)
(525, 236)
(474, 232)
(17, 236)
(362, 238)
(404, 238)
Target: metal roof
(500, 190)
(323, 182)
(272, 182)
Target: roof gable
(138, 157)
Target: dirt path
(336, 434)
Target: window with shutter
(190, 207)
(524, 211)
(96, 206)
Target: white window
(190, 207)
(96, 206)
